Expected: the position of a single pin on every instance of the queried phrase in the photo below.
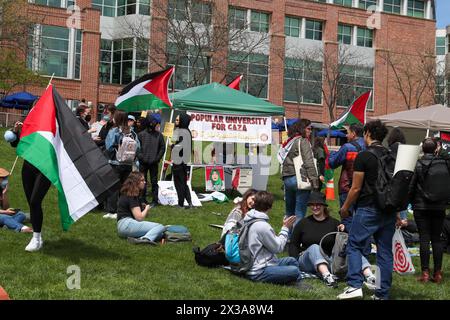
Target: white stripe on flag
(135, 91)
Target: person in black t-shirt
(306, 238)
(131, 215)
(368, 220)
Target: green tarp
(218, 98)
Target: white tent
(419, 123)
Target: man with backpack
(369, 220)
(150, 154)
(345, 157)
(264, 244)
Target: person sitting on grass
(11, 218)
(131, 214)
(306, 237)
(238, 213)
(264, 244)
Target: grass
(111, 268)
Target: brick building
(93, 55)
(443, 66)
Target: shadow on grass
(75, 250)
(398, 293)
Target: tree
(414, 76)
(440, 82)
(198, 38)
(16, 23)
(329, 71)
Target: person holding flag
(58, 150)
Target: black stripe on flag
(85, 154)
(145, 77)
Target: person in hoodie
(181, 156)
(264, 244)
(151, 152)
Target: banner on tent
(445, 140)
(230, 128)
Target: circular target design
(401, 263)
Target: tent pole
(167, 145)
(428, 133)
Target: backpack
(177, 233)
(212, 256)
(436, 175)
(126, 153)
(391, 192)
(338, 257)
(237, 251)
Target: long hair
(302, 125)
(130, 187)
(243, 203)
(121, 121)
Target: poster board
(167, 194)
(214, 178)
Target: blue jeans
(311, 258)
(369, 221)
(286, 271)
(14, 222)
(296, 200)
(128, 227)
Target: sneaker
(330, 281)
(34, 245)
(113, 216)
(107, 216)
(351, 293)
(370, 283)
(141, 241)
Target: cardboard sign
(144, 114)
(214, 178)
(242, 179)
(168, 129)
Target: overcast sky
(442, 13)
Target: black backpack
(436, 176)
(212, 256)
(391, 192)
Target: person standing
(181, 156)
(368, 219)
(345, 157)
(151, 152)
(429, 215)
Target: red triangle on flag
(159, 84)
(235, 84)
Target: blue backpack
(237, 251)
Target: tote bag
(402, 259)
(303, 183)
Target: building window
(126, 7)
(54, 3)
(440, 46)
(416, 8)
(393, 6)
(292, 27)
(239, 19)
(366, 4)
(144, 7)
(345, 34)
(313, 30)
(364, 37)
(347, 3)
(55, 50)
(191, 68)
(302, 81)
(441, 94)
(254, 67)
(107, 7)
(123, 60)
(259, 21)
(354, 82)
(198, 11)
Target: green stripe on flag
(38, 151)
(141, 103)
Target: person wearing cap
(132, 122)
(11, 218)
(151, 152)
(306, 237)
(345, 157)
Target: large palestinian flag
(149, 92)
(355, 114)
(54, 141)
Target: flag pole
(50, 82)
(14, 165)
(167, 145)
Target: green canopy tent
(216, 97)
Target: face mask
(88, 118)
(106, 118)
(4, 183)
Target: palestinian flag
(149, 92)
(355, 114)
(54, 141)
(235, 83)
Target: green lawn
(111, 268)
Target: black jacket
(416, 195)
(177, 148)
(152, 147)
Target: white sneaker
(107, 216)
(370, 283)
(34, 245)
(113, 216)
(351, 293)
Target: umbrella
(333, 133)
